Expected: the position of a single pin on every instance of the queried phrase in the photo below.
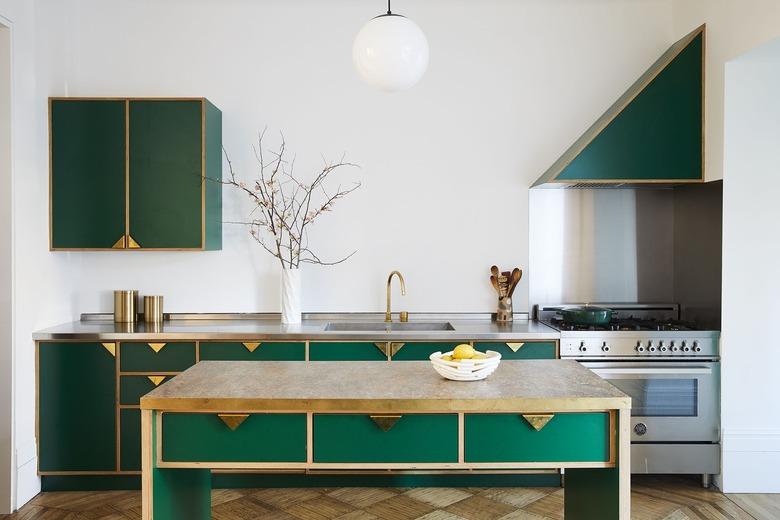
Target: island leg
(602, 493)
(170, 494)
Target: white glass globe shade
(390, 53)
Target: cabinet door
(87, 173)
(419, 351)
(167, 189)
(76, 407)
(521, 349)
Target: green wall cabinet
(132, 174)
(76, 407)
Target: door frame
(7, 282)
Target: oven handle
(653, 371)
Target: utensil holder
(125, 306)
(153, 309)
(504, 314)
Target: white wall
(751, 188)
(733, 28)
(6, 268)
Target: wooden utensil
(516, 275)
(494, 271)
(494, 281)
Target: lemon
(463, 351)
(447, 358)
(479, 355)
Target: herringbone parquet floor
(653, 498)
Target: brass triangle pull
(233, 420)
(251, 347)
(156, 380)
(385, 422)
(119, 244)
(132, 244)
(157, 347)
(395, 347)
(111, 347)
(514, 347)
(538, 421)
(383, 347)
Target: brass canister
(125, 306)
(153, 309)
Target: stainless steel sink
(359, 326)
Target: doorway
(6, 277)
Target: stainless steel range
(671, 370)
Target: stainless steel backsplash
(641, 245)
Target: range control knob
(583, 348)
(639, 347)
(696, 347)
(673, 347)
(685, 348)
(650, 346)
(640, 428)
(605, 347)
(661, 346)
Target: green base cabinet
(204, 437)
(578, 437)
(130, 439)
(421, 351)
(76, 407)
(522, 349)
(413, 438)
(345, 351)
(135, 174)
(258, 351)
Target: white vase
(291, 295)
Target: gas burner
(629, 324)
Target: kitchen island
(378, 416)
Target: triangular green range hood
(653, 134)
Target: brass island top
(360, 386)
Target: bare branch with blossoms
(285, 206)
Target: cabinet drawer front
(130, 439)
(413, 438)
(345, 351)
(203, 437)
(132, 388)
(251, 351)
(166, 173)
(421, 351)
(87, 173)
(567, 437)
(524, 349)
(142, 357)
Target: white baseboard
(750, 461)
(28, 484)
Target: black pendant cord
(388, 7)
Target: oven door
(670, 402)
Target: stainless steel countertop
(269, 327)
(378, 386)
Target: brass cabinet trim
(515, 346)
(395, 347)
(119, 244)
(132, 244)
(233, 420)
(383, 347)
(385, 422)
(110, 347)
(538, 421)
(157, 347)
(251, 346)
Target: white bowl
(465, 369)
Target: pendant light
(390, 52)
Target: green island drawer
(567, 437)
(130, 439)
(413, 438)
(142, 357)
(261, 437)
(525, 349)
(422, 351)
(132, 388)
(345, 351)
(253, 351)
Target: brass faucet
(389, 314)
